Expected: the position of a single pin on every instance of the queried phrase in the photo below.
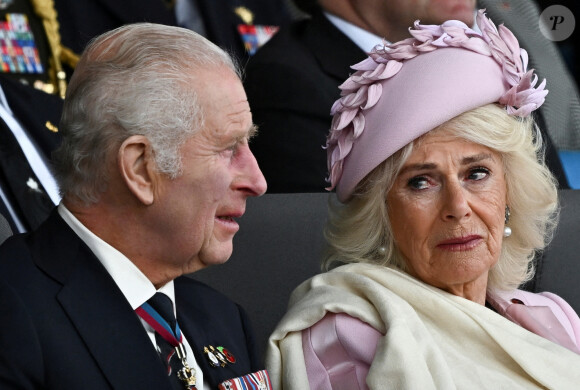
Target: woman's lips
(460, 243)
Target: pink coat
(339, 349)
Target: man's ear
(137, 168)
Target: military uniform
(31, 51)
(238, 26)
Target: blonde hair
(357, 230)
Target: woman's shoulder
(558, 306)
(549, 299)
(355, 336)
(339, 349)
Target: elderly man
(154, 169)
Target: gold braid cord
(46, 12)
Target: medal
(253, 35)
(229, 356)
(245, 14)
(213, 360)
(218, 356)
(185, 374)
(173, 337)
(257, 380)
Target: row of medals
(216, 356)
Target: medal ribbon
(255, 381)
(162, 327)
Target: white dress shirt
(134, 285)
(187, 15)
(362, 38)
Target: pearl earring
(507, 231)
(382, 250)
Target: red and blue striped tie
(158, 312)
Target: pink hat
(408, 88)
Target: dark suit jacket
(66, 324)
(292, 83)
(82, 20)
(36, 111)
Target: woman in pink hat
(444, 199)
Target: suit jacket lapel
(102, 316)
(219, 17)
(197, 327)
(194, 332)
(323, 39)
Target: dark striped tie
(162, 304)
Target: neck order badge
(174, 337)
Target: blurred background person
(32, 83)
(239, 27)
(29, 121)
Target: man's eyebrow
(253, 131)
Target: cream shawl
(433, 339)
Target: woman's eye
(418, 183)
(478, 174)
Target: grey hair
(134, 80)
(357, 229)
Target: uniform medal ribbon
(173, 337)
(162, 327)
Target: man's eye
(231, 150)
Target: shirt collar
(475, 27)
(134, 285)
(362, 38)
